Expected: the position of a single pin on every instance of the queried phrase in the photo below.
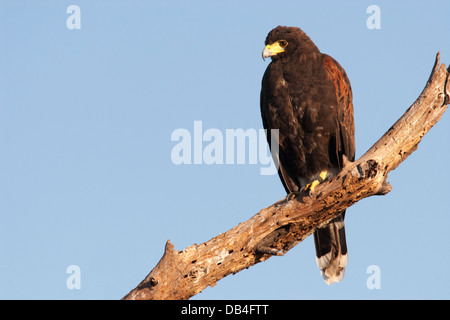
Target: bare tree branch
(278, 228)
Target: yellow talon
(311, 186)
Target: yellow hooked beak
(273, 49)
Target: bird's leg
(309, 188)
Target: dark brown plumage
(306, 95)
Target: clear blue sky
(86, 117)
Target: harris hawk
(306, 95)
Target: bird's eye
(283, 43)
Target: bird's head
(283, 42)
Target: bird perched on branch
(306, 95)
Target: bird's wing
(346, 136)
(287, 182)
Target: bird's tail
(331, 250)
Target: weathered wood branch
(278, 228)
